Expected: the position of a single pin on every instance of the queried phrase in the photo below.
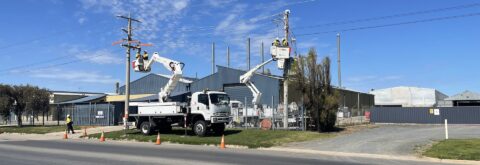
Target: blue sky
(67, 45)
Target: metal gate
(91, 114)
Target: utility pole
(228, 56)
(338, 61)
(213, 57)
(285, 74)
(263, 59)
(128, 46)
(248, 53)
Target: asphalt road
(401, 140)
(75, 152)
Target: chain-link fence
(90, 114)
(82, 114)
(272, 116)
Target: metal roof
(85, 99)
(466, 95)
(183, 79)
(152, 83)
(73, 93)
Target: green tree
(38, 102)
(6, 101)
(313, 81)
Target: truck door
(202, 102)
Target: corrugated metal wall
(228, 77)
(151, 84)
(455, 115)
(239, 93)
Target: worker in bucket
(284, 43)
(69, 124)
(276, 42)
(145, 55)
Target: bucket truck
(204, 111)
(279, 54)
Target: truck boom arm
(245, 78)
(171, 65)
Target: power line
(16, 68)
(47, 36)
(393, 16)
(394, 24)
(205, 28)
(360, 20)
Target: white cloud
(81, 18)
(218, 3)
(179, 5)
(102, 56)
(156, 16)
(74, 76)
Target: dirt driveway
(390, 139)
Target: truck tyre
(200, 128)
(218, 128)
(146, 128)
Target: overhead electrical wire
(394, 24)
(16, 68)
(48, 36)
(323, 32)
(465, 6)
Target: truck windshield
(219, 99)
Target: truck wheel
(218, 128)
(200, 128)
(146, 128)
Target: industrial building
(404, 96)
(466, 98)
(355, 102)
(146, 89)
(227, 79)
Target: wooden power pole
(128, 46)
(285, 74)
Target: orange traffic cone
(102, 138)
(85, 132)
(65, 136)
(158, 140)
(222, 143)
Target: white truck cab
(213, 105)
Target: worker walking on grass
(69, 124)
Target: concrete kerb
(372, 156)
(57, 135)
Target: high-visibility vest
(276, 43)
(145, 56)
(68, 120)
